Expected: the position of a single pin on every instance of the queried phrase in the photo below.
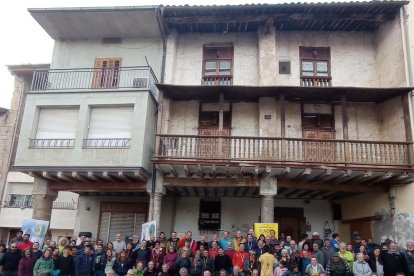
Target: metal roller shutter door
(110, 122)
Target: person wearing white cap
(316, 239)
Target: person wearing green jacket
(44, 265)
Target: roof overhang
(334, 16)
(25, 71)
(292, 93)
(97, 23)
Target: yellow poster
(264, 228)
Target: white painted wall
(184, 117)
(88, 220)
(82, 53)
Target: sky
(25, 42)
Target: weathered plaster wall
(390, 55)
(317, 212)
(353, 59)
(245, 119)
(293, 120)
(363, 122)
(184, 117)
(392, 120)
(268, 127)
(188, 67)
(82, 53)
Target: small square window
(284, 67)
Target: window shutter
(104, 226)
(123, 223)
(57, 123)
(110, 122)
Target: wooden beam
(305, 173)
(173, 171)
(214, 171)
(339, 177)
(285, 172)
(241, 173)
(95, 177)
(49, 176)
(266, 172)
(323, 174)
(187, 193)
(125, 177)
(80, 177)
(158, 167)
(359, 178)
(256, 171)
(200, 172)
(64, 177)
(379, 178)
(205, 182)
(35, 175)
(246, 191)
(235, 191)
(288, 195)
(304, 193)
(99, 187)
(186, 172)
(107, 176)
(320, 186)
(140, 176)
(195, 191)
(227, 171)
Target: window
(56, 128)
(20, 201)
(217, 64)
(317, 116)
(106, 73)
(110, 127)
(210, 214)
(284, 67)
(315, 66)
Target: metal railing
(51, 143)
(141, 77)
(107, 143)
(283, 149)
(29, 204)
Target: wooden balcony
(217, 80)
(294, 150)
(316, 81)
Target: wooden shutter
(57, 123)
(123, 223)
(104, 226)
(106, 73)
(110, 122)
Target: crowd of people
(236, 255)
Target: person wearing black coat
(375, 260)
(65, 263)
(222, 261)
(84, 262)
(10, 261)
(394, 262)
(122, 264)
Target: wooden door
(289, 226)
(362, 229)
(319, 150)
(106, 73)
(210, 147)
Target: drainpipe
(405, 26)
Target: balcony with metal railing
(29, 204)
(95, 79)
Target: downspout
(405, 26)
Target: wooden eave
(334, 16)
(92, 181)
(291, 93)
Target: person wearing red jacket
(239, 257)
(192, 243)
(26, 243)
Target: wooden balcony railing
(283, 149)
(217, 80)
(316, 81)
